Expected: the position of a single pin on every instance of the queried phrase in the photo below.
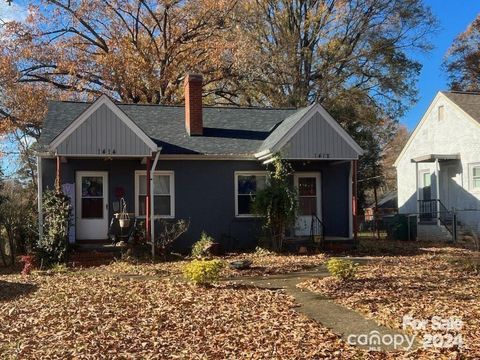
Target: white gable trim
(102, 100)
(328, 118)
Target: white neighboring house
(438, 170)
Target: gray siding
(318, 139)
(103, 133)
(204, 193)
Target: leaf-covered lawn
(91, 316)
(440, 282)
(262, 265)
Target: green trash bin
(397, 227)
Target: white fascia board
(102, 100)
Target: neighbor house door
(427, 207)
(92, 205)
(308, 187)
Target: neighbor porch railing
(433, 210)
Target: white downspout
(152, 214)
(40, 196)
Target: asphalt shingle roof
(468, 101)
(227, 130)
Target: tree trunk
(2, 254)
(375, 212)
(11, 245)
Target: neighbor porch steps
(433, 232)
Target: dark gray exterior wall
(204, 193)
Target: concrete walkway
(338, 318)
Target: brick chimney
(193, 104)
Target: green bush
(342, 269)
(203, 246)
(57, 211)
(203, 272)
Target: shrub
(203, 246)
(277, 203)
(342, 269)
(52, 245)
(260, 251)
(170, 231)
(203, 272)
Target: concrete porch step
(433, 232)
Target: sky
(454, 17)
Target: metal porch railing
(317, 231)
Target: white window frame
(235, 184)
(470, 176)
(171, 175)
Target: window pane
(162, 205)
(141, 205)
(476, 171)
(250, 184)
(244, 204)
(427, 181)
(161, 184)
(92, 186)
(476, 183)
(247, 184)
(142, 184)
(92, 208)
(261, 182)
(307, 186)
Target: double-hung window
(475, 176)
(163, 193)
(247, 184)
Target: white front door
(309, 202)
(92, 205)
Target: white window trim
(171, 174)
(470, 177)
(235, 185)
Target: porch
(436, 189)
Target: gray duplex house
(194, 162)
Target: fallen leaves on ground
(79, 315)
(262, 265)
(423, 286)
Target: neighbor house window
(247, 184)
(475, 176)
(163, 194)
(441, 113)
